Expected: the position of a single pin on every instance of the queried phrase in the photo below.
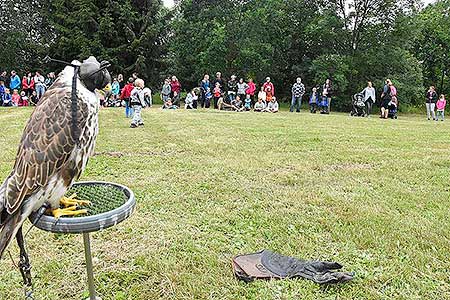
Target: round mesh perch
(111, 203)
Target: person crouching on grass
(273, 106)
(137, 99)
(440, 105)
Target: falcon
(55, 147)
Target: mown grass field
(371, 194)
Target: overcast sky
(169, 3)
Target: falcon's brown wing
(46, 146)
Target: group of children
(25, 92)
(236, 103)
(16, 99)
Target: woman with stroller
(369, 97)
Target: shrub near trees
(349, 41)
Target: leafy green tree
(432, 45)
(130, 33)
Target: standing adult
(166, 90)
(219, 80)
(205, 86)
(251, 90)
(269, 87)
(431, 102)
(14, 83)
(28, 84)
(176, 90)
(49, 80)
(327, 92)
(242, 86)
(232, 88)
(39, 83)
(298, 90)
(369, 97)
(3, 77)
(121, 81)
(386, 98)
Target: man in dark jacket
(431, 102)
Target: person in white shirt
(369, 97)
(272, 107)
(39, 85)
(262, 95)
(191, 98)
(259, 106)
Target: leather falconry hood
(93, 74)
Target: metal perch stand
(110, 204)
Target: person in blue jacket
(15, 81)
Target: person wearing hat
(268, 86)
(232, 88)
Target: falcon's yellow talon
(69, 201)
(69, 211)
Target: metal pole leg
(89, 268)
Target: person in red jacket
(28, 85)
(268, 87)
(176, 90)
(125, 95)
(251, 89)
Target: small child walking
(440, 105)
(137, 100)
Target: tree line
(351, 42)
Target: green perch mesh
(103, 197)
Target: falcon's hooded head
(94, 75)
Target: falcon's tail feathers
(8, 231)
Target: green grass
(371, 194)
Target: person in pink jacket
(440, 106)
(251, 89)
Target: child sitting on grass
(273, 106)
(259, 106)
(23, 99)
(15, 98)
(237, 104)
(190, 100)
(248, 102)
(440, 105)
(7, 98)
(169, 104)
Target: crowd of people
(233, 95)
(23, 92)
(240, 95)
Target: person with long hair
(369, 97)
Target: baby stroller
(323, 105)
(358, 105)
(393, 108)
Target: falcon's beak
(107, 88)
